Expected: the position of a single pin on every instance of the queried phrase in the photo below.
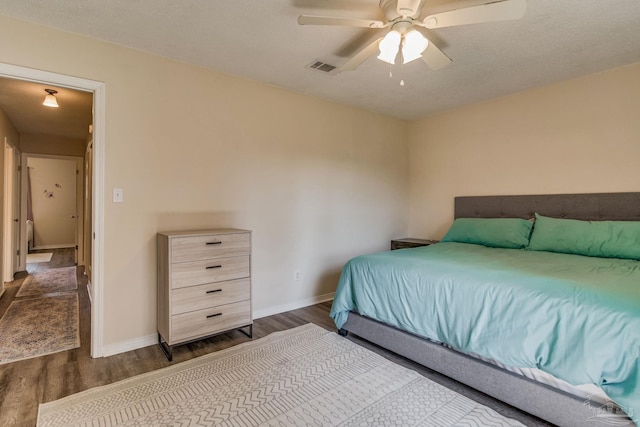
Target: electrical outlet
(296, 275)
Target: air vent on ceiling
(321, 66)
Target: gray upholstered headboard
(593, 207)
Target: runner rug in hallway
(39, 326)
(49, 281)
(302, 376)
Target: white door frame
(9, 263)
(16, 203)
(99, 106)
(86, 211)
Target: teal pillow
(512, 233)
(605, 239)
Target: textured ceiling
(260, 40)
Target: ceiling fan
(405, 18)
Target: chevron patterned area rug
(302, 376)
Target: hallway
(12, 396)
(60, 258)
(40, 311)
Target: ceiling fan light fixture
(50, 100)
(414, 43)
(389, 47)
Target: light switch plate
(118, 195)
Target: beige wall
(51, 144)
(581, 135)
(53, 187)
(316, 182)
(8, 130)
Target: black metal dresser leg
(166, 348)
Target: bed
(524, 326)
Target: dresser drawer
(208, 271)
(210, 321)
(209, 246)
(210, 295)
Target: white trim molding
(63, 246)
(129, 345)
(270, 311)
(145, 341)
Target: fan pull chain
(400, 74)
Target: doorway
(97, 191)
(52, 203)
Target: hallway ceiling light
(50, 100)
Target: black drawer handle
(214, 315)
(214, 243)
(213, 266)
(214, 290)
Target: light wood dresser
(204, 285)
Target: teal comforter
(575, 317)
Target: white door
(16, 211)
(10, 225)
(88, 227)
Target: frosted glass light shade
(50, 101)
(413, 45)
(389, 47)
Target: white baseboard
(129, 345)
(43, 247)
(270, 311)
(136, 343)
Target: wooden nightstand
(408, 242)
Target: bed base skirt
(541, 400)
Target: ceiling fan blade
(498, 11)
(329, 20)
(434, 57)
(357, 59)
(408, 7)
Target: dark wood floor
(25, 384)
